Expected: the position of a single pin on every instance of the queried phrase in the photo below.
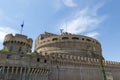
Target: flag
(22, 27)
(22, 24)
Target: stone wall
(55, 67)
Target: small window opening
(8, 56)
(42, 38)
(83, 39)
(38, 59)
(20, 49)
(88, 39)
(75, 38)
(45, 61)
(64, 38)
(55, 39)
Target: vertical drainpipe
(7, 73)
(58, 72)
(21, 73)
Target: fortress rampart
(42, 64)
(56, 57)
(67, 60)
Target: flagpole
(21, 30)
(22, 27)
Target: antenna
(22, 27)
(61, 30)
(66, 26)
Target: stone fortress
(56, 57)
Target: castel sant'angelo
(56, 57)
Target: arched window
(21, 42)
(83, 39)
(8, 56)
(38, 59)
(54, 39)
(42, 38)
(11, 41)
(75, 38)
(18, 42)
(20, 48)
(45, 61)
(88, 39)
(65, 38)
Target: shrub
(3, 51)
(32, 54)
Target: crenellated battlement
(19, 42)
(18, 38)
(77, 60)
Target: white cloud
(69, 3)
(84, 20)
(58, 4)
(93, 34)
(4, 31)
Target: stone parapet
(18, 38)
(78, 60)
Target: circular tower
(17, 44)
(69, 44)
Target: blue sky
(95, 18)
